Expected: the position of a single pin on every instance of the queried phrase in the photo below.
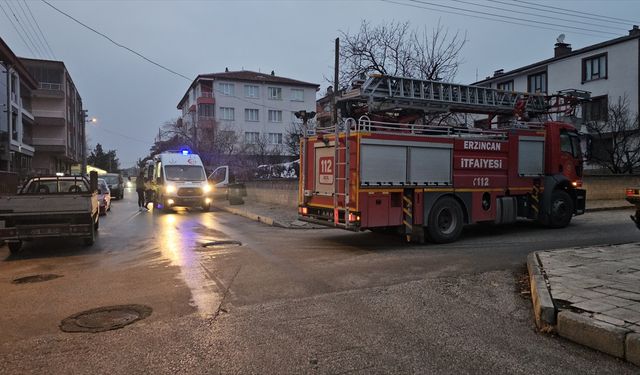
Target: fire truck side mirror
(589, 147)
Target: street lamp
(91, 120)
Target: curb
(612, 208)
(544, 310)
(580, 328)
(249, 215)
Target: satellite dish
(560, 38)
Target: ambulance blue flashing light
(184, 152)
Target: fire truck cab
(422, 179)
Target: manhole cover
(35, 278)
(105, 318)
(222, 243)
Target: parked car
(55, 206)
(116, 184)
(104, 196)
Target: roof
(7, 55)
(248, 76)
(590, 48)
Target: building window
(251, 137)
(226, 88)
(297, 95)
(226, 113)
(275, 116)
(596, 110)
(251, 91)
(506, 86)
(275, 138)
(275, 93)
(205, 110)
(594, 68)
(537, 83)
(250, 114)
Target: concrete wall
(285, 191)
(609, 187)
(281, 192)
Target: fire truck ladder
(341, 173)
(383, 92)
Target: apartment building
(258, 107)
(59, 135)
(16, 118)
(609, 70)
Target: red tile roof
(247, 75)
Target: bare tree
(394, 48)
(616, 141)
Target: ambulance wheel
(14, 247)
(561, 210)
(445, 221)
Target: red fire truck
(399, 175)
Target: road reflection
(178, 240)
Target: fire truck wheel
(445, 221)
(561, 209)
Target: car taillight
(303, 210)
(353, 217)
(631, 192)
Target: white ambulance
(178, 179)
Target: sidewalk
(270, 214)
(591, 296)
(605, 205)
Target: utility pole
(9, 110)
(83, 167)
(335, 81)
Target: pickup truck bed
(28, 216)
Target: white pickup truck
(56, 206)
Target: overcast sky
(132, 98)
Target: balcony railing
(206, 94)
(50, 86)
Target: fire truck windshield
(570, 143)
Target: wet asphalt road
(289, 301)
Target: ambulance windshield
(184, 172)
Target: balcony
(206, 97)
(49, 90)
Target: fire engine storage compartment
(399, 164)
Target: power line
(33, 28)
(579, 12)
(39, 29)
(120, 134)
(513, 18)
(16, 29)
(35, 46)
(515, 3)
(148, 59)
(522, 12)
(484, 18)
(116, 43)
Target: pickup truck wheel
(445, 221)
(14, 247)
(561, 210)
(88, 241)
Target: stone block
(632, 348)
(595, 334)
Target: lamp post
(92, 120)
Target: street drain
(105, 318)
(35, 278)
(222, 243)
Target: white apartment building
(258, 107)
(609, 70)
